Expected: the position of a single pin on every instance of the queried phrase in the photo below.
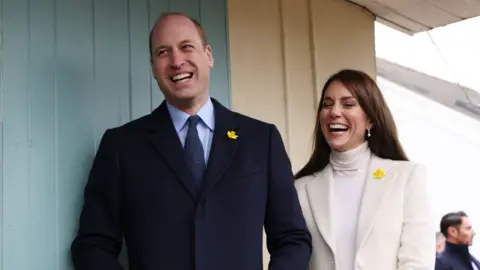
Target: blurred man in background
(459, 233)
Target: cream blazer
(395, 230)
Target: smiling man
(181, 62)
(191, 185)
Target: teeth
(180, 76)
(337, 126)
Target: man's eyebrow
(186, 41)
(159, 47)
(163, 46)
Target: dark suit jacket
(455, 257)
(140, 188)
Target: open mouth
(181, 78)
(337, 128)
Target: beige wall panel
(344, 37)
(256, 60)
(282, 53)
(300, 95)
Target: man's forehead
(175, 27)
(173, 22)
(466, 222)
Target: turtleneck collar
(352, 160)
(460, 250)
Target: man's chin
(182, 94)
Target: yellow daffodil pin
(232, 135)
(379, 174)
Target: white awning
(413, 16)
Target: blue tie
(194, 150)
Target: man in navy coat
(458, 231)
(191, 185)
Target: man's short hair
(163, 16)
(452, 219)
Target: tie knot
(193, 120)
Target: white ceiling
(413, 16)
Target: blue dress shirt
(205, 127)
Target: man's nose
(176, 60)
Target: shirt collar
(206, 113)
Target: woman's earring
(368, 133)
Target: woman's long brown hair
(383, 141)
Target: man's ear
(151, 65)
(452, 231)
(208, 50)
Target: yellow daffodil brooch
(232, 135)
(379, 174)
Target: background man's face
(462, 234)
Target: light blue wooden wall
(69, 69)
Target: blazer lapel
(319, 192)
(166, 142)
(375, 192)
(223, 148)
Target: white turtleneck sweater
(349, 174)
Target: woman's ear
(370, 124)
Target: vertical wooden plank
(214, 18)
(299, 81)
(255, 85)
(120, 52)
(156, 8)
(190, 7)
(112, 68)
(111, 65)
(15, 135)
(76, 144)
(41, 89)
(2, 224)
(140, 73)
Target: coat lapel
(319, 192)
(166, 142)
(223, 148)
(475, 261)
(374, 195)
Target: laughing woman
(366, 205)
